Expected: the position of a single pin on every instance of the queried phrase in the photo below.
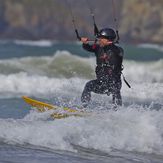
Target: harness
(124, 78)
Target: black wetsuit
(108, 72)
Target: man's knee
(89, 86)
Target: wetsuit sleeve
(90, 48)
(121, 53)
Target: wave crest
(61, 64)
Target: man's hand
(84, 40)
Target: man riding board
(109, 59)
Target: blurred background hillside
(139, 21)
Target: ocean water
(56, 73)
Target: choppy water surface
(133, 133)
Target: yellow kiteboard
(42, 107)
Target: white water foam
(146, 72)
(42, 86)
(22, 83)
(40, 43)
(129, 129)
(134, 127)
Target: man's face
(103, 42)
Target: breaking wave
(66, 65)
(128, 129)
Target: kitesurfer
(109, 59)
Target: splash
(128, 129)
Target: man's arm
(86, 46)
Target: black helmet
(107, 33)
